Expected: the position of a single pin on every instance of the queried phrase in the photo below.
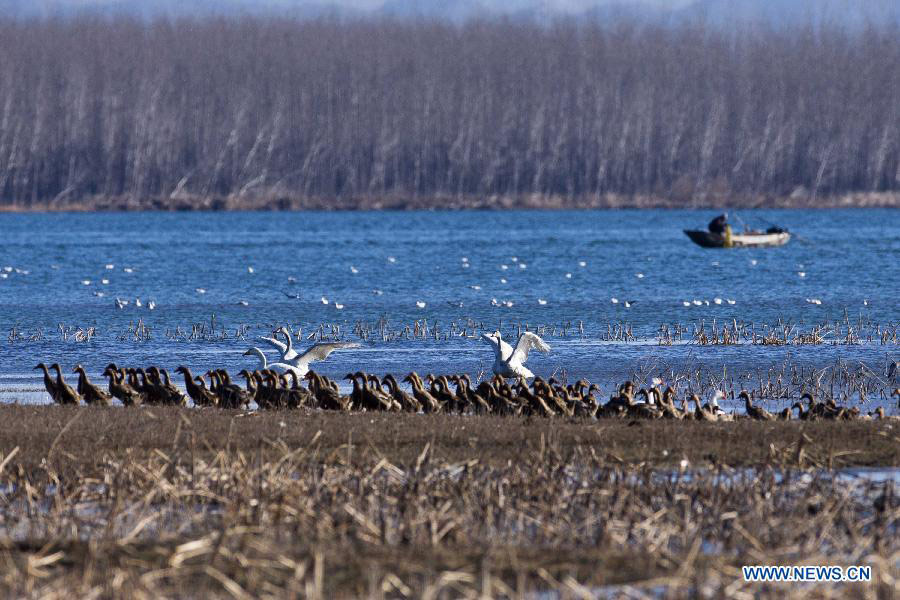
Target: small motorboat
(774, 236)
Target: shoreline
(282, 203)
(493, 439)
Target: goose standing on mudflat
(509, 362)
(300, 361)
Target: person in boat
(720, 226)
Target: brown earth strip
(76, 438)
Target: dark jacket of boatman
(718, 224)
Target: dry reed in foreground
(168, 502)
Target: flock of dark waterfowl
(433, 394)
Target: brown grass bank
(173, 502)
(77, 437)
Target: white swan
(315, 353)
(264, 364)
(509, 362)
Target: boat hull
(707, 239)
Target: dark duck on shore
(92, 394)
(407, 403)
(465, 393)
(172, 396)
(429, 403)
(701, 413)
(65, 393)
(326, 392)
(200, 395)
(755, 412)
(49, 383)
(118, 388)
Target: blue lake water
(378, 265)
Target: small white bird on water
(300, 361)
(509, 362)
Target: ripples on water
(55, 264)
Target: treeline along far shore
(252, 112)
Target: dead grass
(76, 437)
(165, 502)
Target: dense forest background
(343, 111)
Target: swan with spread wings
(299, 361)
(509, 361)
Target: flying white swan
(509, 362)
(300, 361)
(264, 364)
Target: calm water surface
(379, 265)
